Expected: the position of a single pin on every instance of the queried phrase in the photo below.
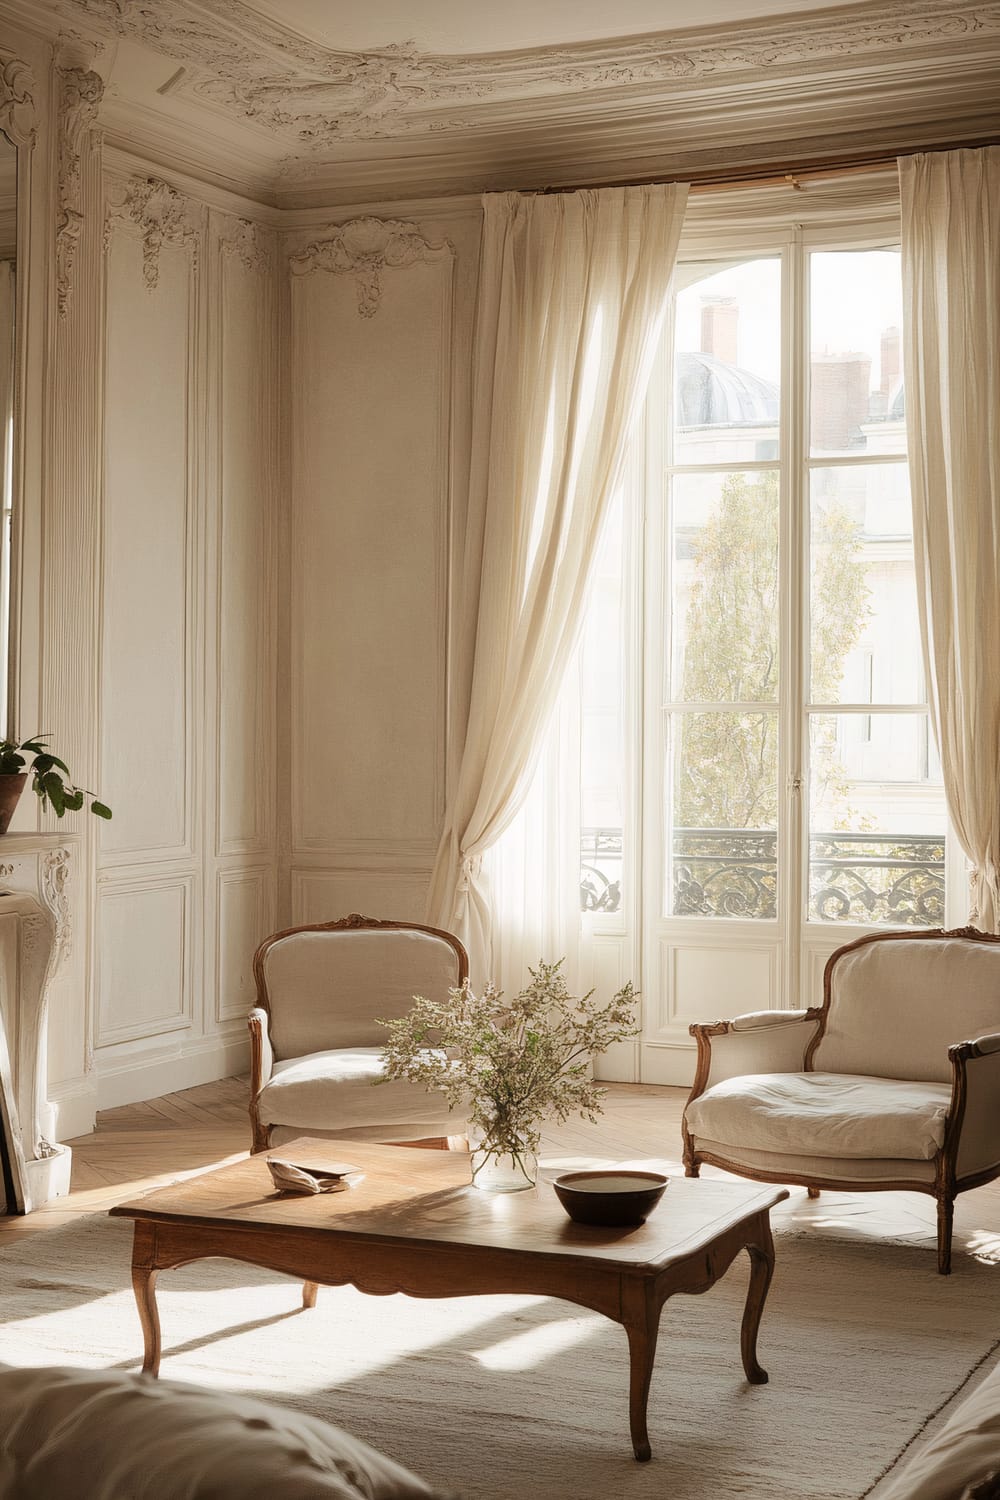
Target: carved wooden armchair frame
(972, 1063)
(258, 1020)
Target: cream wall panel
(245, 917)
(370, 423)
(145, 958)
(146, 770)
(709, 983)
(325, 895)
(814, 960)
(245, 594)
(609, 972)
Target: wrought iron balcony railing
(732, 872)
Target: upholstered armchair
(892, 1083)
(316, 1046)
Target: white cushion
(824, 1115)
(791, 1165)
(964, 1454)
(108, 1435)
(337, 1090)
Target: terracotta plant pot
(11, 788)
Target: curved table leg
(642, 1325)
(761, 1270)
(144, 1286)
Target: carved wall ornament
(364, 248)
(163, 216)
(259, 69)
(80, 94)
(17, 101)
(248, 242)
(55, 880)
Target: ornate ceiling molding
(80, 94)
(17, 100)
(162, 215)
(316, 97)
(364, 248)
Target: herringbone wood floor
(139, 1146)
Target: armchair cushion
(897, 1006)
(335, 1092)
(329, 989)
(824, 1115)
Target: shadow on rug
(503, 1396)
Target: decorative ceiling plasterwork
(244, 63)
(17, 101)
(364, 248)
(80, 93)
(162, 215)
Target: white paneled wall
(372, 320)
(246, 547)
(188, 653)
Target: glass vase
(507, 1168)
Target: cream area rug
(503, 1397)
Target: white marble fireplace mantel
(35, 937)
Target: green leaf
(52, 788)
(100, 809)
(73, 800)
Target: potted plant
(51, 780)
(510, 1063)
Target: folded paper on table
(288, 1177)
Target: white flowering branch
(511, 1064)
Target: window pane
(876, 821)
(865, 636)
(602, 726)
(724, 595)
(727, 364)
(724, 814)
(856, 374)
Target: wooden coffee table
(415, 1225)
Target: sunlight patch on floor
(533, 1347)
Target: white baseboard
(73, 1110)
(663, 1063)
(149, 1077)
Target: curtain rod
(792, 173)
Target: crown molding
(316, 97)
(686, 139)
(280, 119)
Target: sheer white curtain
(573, 290)
(951, 277)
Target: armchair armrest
(261, 1051)
(975, 1105)
(979, 1048)
(764, 1041)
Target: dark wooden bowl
(612, 1196)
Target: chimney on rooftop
(890, 361)
(719, 324)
